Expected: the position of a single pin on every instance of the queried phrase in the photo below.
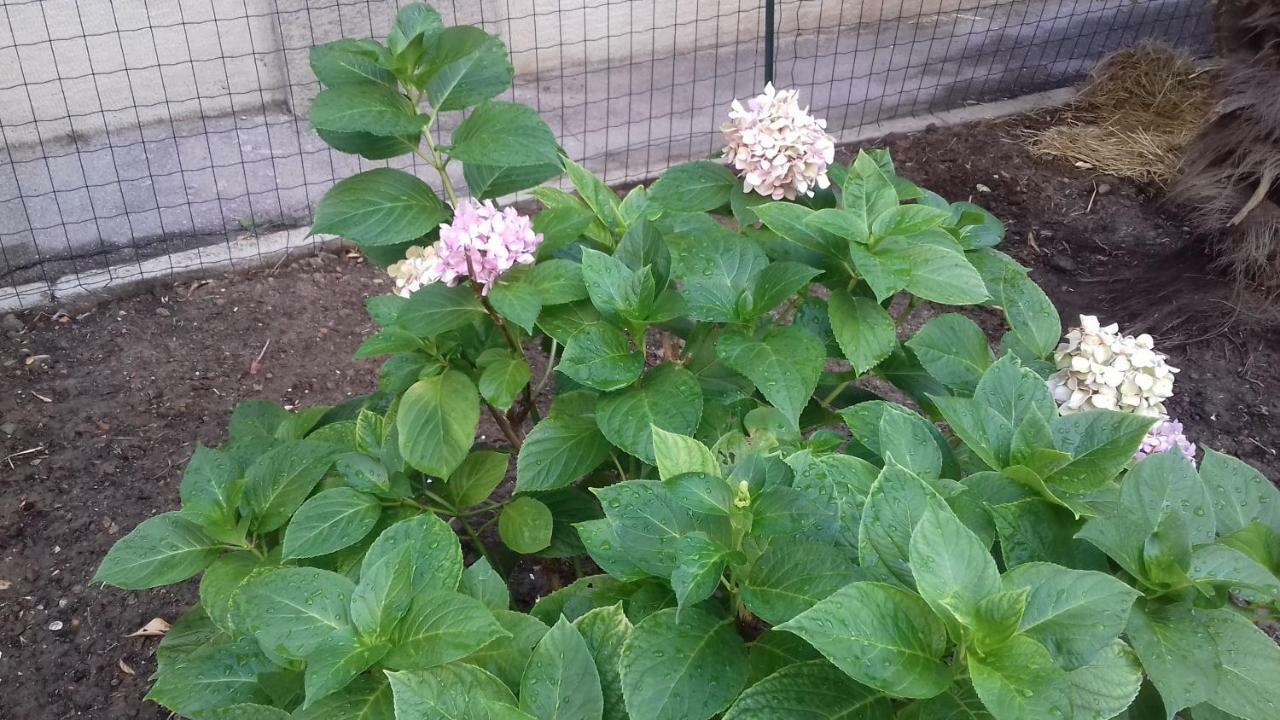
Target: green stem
(504, 424)
(836, 392)
(622, 475)
(551, 364)
(475, 540)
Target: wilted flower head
(419, 267)
(1100, 369)
(485, 241)
(1164, 436)
(779, 148)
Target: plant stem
(506, 427)
(475, 540)
(622, 475)
(551, 364)
(836, 392)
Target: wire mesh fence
(150, 138)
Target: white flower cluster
(778, 147)
(1100, 369)
(420, 267)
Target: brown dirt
(134, 384)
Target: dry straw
(1133, 116)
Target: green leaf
(349, 62)
(370, 146)
(864, 330)
(475, 479)
(810, 241)
(293, 610)
(995, 618)
(504, 134)
(486, 182)
(330, 521)
(686, 669)
(336, 661)
(784, 365)
(434, 551)
(885, 268)
(463, 66)
(278, 482)
(1241, 495)
(1233, 570)
(841, 482)
(777, 282)
(365, 698)
(1007, 397)
(379, 207)
(668, 396)
(814, 691)
(363, 473)
(218, 674)
(211, 488)
(1030, 313)
(439, 627)
(561, 681)
(699, 186)
(601, 357)
(679, 454)
(1073, 613)
(503, 380)
(954, 350)
(700, 562)
(558, 451)
(1107, 684)
(700, 492)
(943, 275)
(437, 422)
(908, 220)
(598, 196)
(647, 523)
(895, 503)
(606, 631)
(525, 525)
(783, 511)
(1217, 656)
(774, 650)
(438, 308)
(483, 583)
(1018, 680)
(867, 190)
(221, 584)
(246, 711)
(162, 550)
(507, 656)
(959, 702)
(952, 568)
(368, 108)
(909, 440)
(413, 21)
(793, 575)
(1100, 442)
(255, 419)
(558, 281)
(881, 636)
(1032, 530)
(515, 298)
(716, 268)
(446, 692)
(382, 595)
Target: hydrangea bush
(755, 534)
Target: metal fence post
(769, 23)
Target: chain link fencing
(151, 138)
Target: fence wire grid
(149, 138)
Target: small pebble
(55, 626)
(1103, 189)
(163, 312)
(982, 188)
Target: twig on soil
(1264, 447)
(41, 397)
(256, 365)
(9, 458)
(1089, 208)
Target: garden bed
(117, 396)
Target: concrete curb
(253, 252)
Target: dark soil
(113, 401)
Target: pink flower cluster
(778, 147)
(485, 241)
(1164, 436)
